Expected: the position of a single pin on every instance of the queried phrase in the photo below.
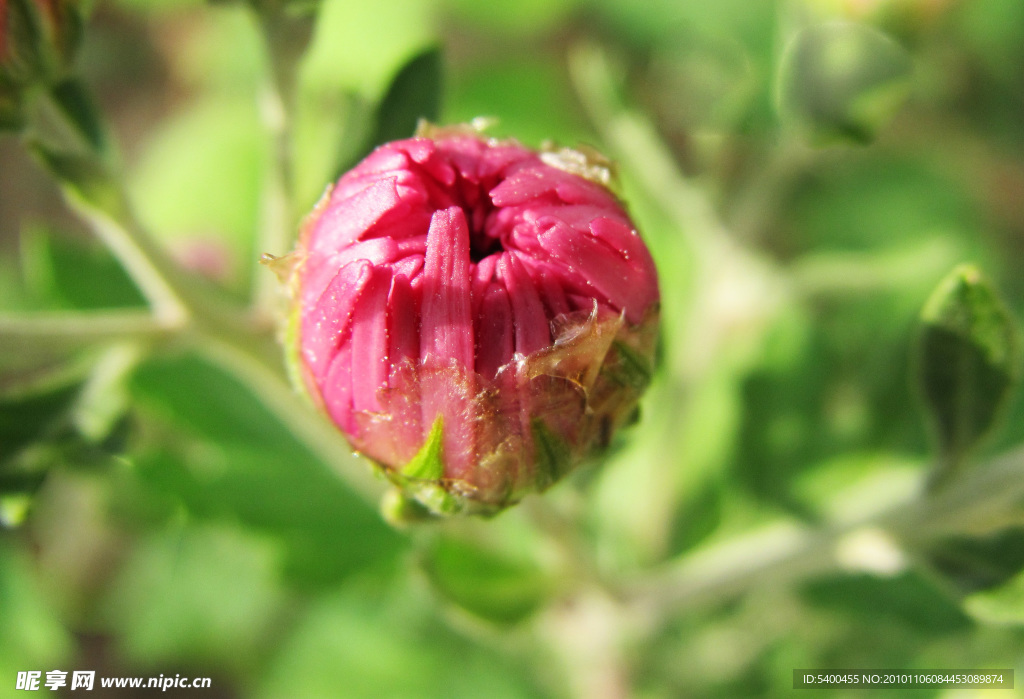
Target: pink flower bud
(474, 316)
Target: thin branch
(178, 299)
(141, 258)
(80, 327)
(986, 499)
(94, 192)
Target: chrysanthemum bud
(474, 316)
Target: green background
(805, 172)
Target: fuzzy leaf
(968, 363)
(841, 81)
(976, 564)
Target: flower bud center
(482, 245)
(476, 204)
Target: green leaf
(355, 52)
(975, 564)
(377, 637)
(519, 18)
(1003, 605)
(414, 94)
(908, 600)
(968, 363)
(103, 401)
(526, 94)
(61, 414)
(11, 116)
(32, 634)
(31, 420)
(486, 583)
(330, 129)
(68, 273)
(23, 57)
(359, 46)
(841, 81)
(37, 408)
(197, 399)
(852, 486)
(283, 495)
(197, 594)
(199, 181)
(696, 518)
(221, 454)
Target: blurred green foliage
(806, 172)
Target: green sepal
(552, 455)
(428, 464)
(632, 369)
(421, 481)
(436, 499)
(293, 356)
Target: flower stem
(80, 327)
(139, 255)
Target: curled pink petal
(326, 321)
(530, 319)
(495, 335)
(446, 327)
(370, 342)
